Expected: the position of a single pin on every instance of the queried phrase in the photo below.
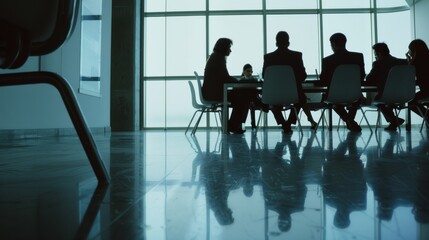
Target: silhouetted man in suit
(342, 56)
(378, 76)
(284, 56)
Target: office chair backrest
(193, 96)
(200, 91)
(33, 28)
(400, 85)
(279, 87)
(345, 85)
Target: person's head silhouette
(338, 41)
(223, 46)
(282, 39)
(284, 222)
(341, 219)
(224, 216)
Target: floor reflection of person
(243, 167)
(343, 180)
(213, 176)
(391, 176)
(283, 187)
(421, 199)
(313, 158)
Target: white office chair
(399, 89)
(345, 89)
(202, 108)
(280, 88)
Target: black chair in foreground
(35, 28)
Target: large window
(179, 36)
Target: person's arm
(362, 68)
(264, 66)
(323, 74)
(371, 77)
(301, 74)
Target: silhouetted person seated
(418, 56)
(378, 76)
(284, 56)
(215, 76)
(282, 182)
(252, 94)
(343, 182)
(329, 64)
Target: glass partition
(90, 47)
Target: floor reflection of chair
(91, 212)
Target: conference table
(308, 88)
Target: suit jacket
(215, 75)
(285, 56)
(329, 64)
(380, 69)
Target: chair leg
(73, 109)
(198, 122)
(424, 120)
(191, 121)
(322, 118)
(366, 119)
(220, 120)
(299, 121)
(378, 121)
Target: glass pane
(346, 4)
(186, 45)
(391, 3)
(235, 4)
(90, 63)
(154, 104)
(186, 5)
(154, 6)
(91, 7)
(394, 30)
(356, 27)
(302, 4)
(179, 104)
(302, 41)
(154, 47)
(246, 34)
(90, 53)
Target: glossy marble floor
(264, 185)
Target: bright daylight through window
(179, 36)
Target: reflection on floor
(264, 185)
